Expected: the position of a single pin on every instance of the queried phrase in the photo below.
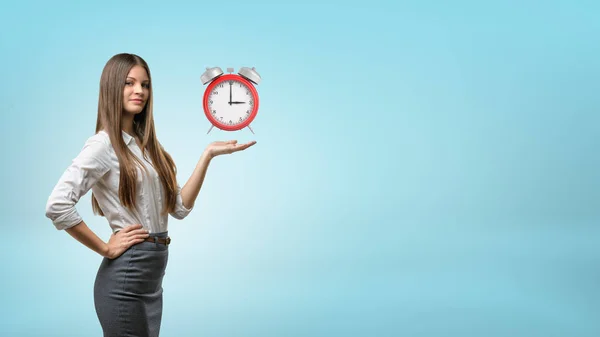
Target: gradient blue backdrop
(423, 168)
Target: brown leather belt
(155, 239)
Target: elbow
(50, 211)
(56, 209)
(181, 213)
(62, 218)
(181, 210)
(178, 215)
(53, 215)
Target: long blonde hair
(110, 110)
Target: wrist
(105, 250)
(206, 155)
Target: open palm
(226, 147)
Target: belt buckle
(168, 240)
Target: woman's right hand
(121, 241)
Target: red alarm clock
(230, 101)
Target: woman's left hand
(226, 147)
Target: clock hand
(237, 102)
(230, 84)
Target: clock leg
(210, 129)
(250, 129)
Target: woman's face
(136, 91)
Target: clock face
(231, 102)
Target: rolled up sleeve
(90, 165)
(180, 211)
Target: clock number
(230, 122)
(250, 103)
(248, 111)
(240, 119)
(214, 112)
(211, 102)
(221, 85)
(216, 92)
(247, 92)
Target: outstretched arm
(190, 190)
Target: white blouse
(97, 167)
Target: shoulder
(98, 147)
(100, 141)
(100, 137)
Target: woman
(133, 183)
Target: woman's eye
(147, 85)
(128, 83)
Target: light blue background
(423, 168)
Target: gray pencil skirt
(128, 293)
